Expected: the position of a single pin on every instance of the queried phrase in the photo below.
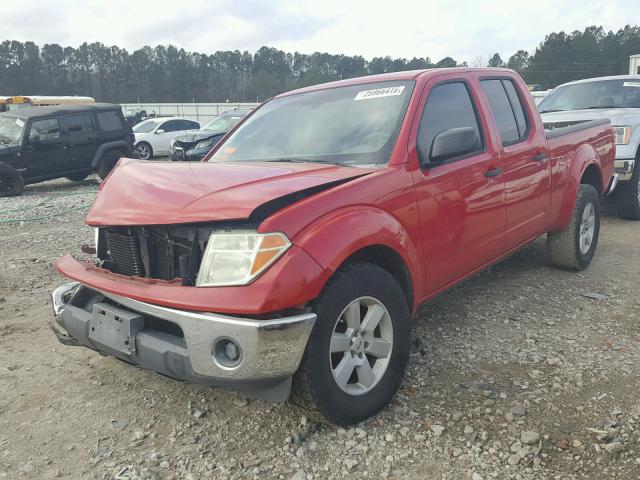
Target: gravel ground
(524, 372)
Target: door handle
(538, 157)
(493, 173)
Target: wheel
(144, 151)
(627, 196)
(11, 182)
(77, 177)
(108, 161)
(574, 247)
(358, 349)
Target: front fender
(344, 232)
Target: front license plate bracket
(115, 327)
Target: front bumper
(624, 168)
(180, 343)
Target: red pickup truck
(292, 259)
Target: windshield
(222, 124)
(11, 129)
(619, 93)
(346, 125)
(146, 126)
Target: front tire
(11, 182)
(627, 196)
(358, 350)
(573, 248)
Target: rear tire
(11, 182)
(627, 196)
(353, 366)
(573, 248)
(108, 161)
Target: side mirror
(450, 144)
(159, 131)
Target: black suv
(72, 141)
(195, 144)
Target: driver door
(460, 200)
(163, 135)
(45, 149)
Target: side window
(171, 126)
(448, 107)
(78, 127)
(518, 107)
(507, 110)
(109, 121)
(189, 125)
(45, 131)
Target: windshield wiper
(551, 111)
(294, 160)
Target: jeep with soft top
(292, 259)
(72, 141)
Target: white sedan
(152, 137)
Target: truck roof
(394, 76)
(30, 112)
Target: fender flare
(344, 232)
(584, 158)
(105, 147)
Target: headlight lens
(204, 144)
(623, 135)
(238, 258)
(172, 143)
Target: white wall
(202, 112)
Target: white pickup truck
(617, 99)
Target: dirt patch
(519, 373)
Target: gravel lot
(524, 372)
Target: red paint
(446, 222)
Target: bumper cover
(180, 344)
(624, 168)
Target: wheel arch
(366, 234)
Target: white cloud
(463, 30)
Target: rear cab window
(507, 109)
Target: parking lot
(523, 372)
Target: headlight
(204, 144)
(238, 258)
(172, 143)
(623, 135)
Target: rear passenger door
(524, 160)
(460, 201)
(80, 139)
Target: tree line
(171, 74)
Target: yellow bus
(21, 101)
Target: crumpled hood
(618, 116)
(161, 193)
(196, 135)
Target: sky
(465, 30)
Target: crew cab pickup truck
(292, 259)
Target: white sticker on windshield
(19, 122)
(631, 84)
(379, 92)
